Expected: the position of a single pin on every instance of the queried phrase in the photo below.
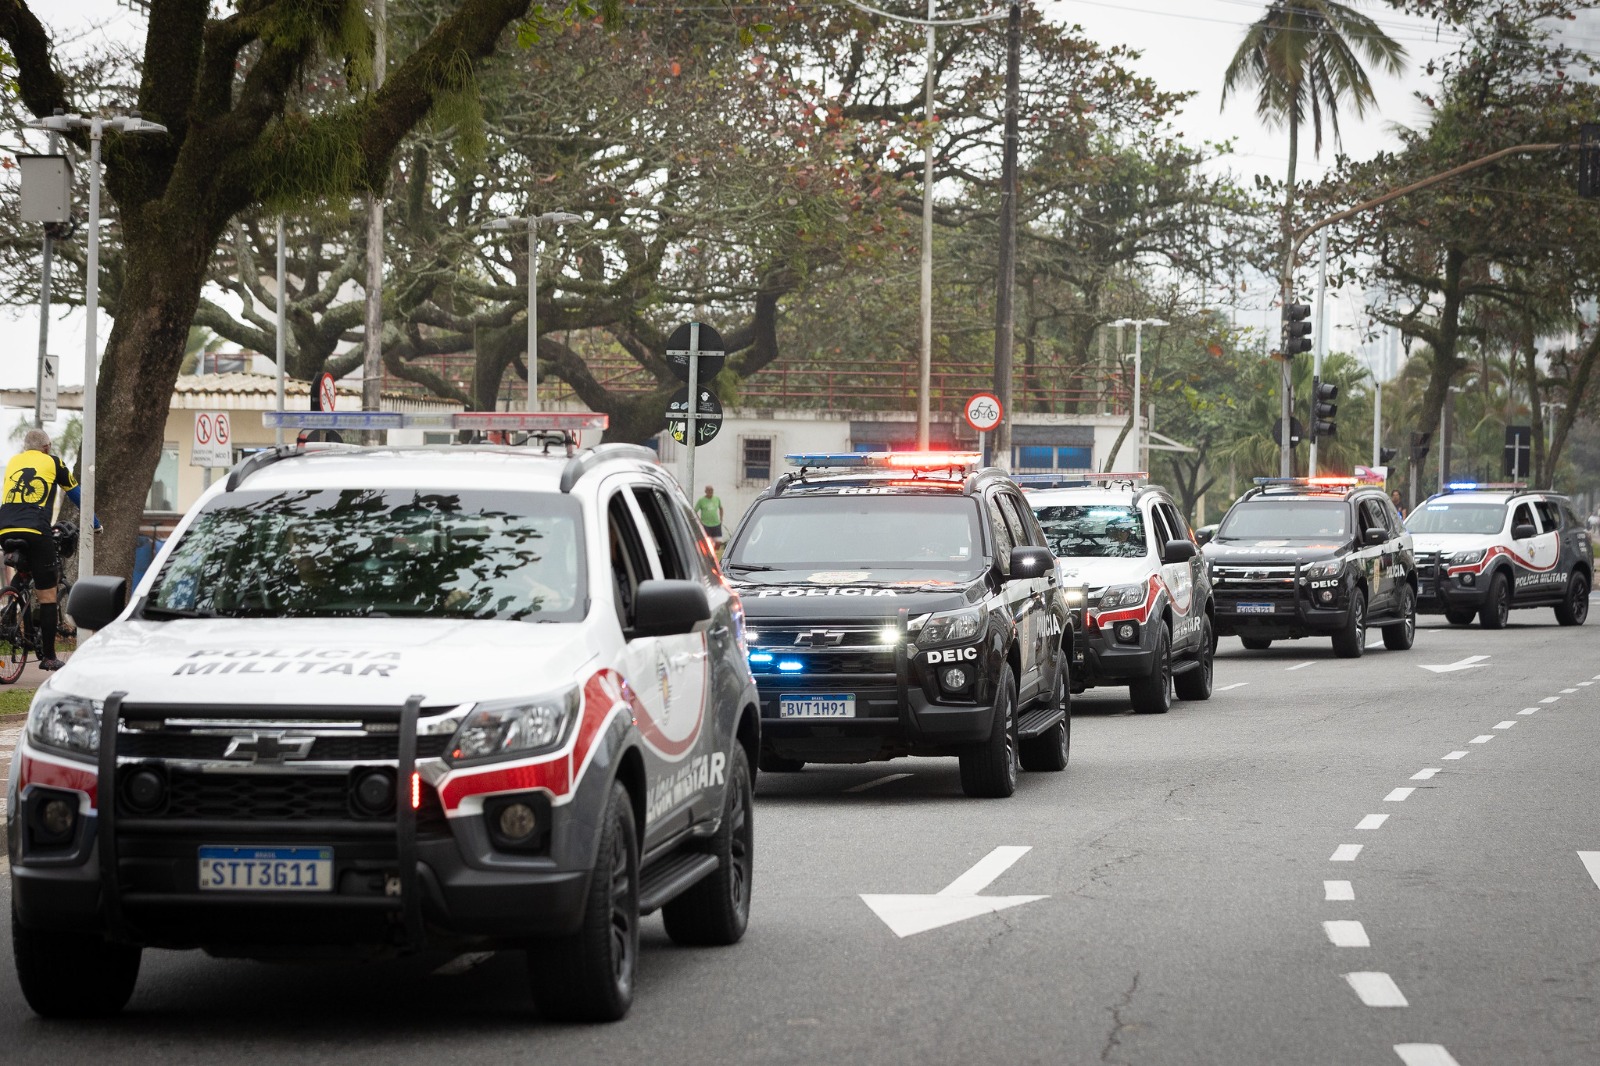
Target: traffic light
(1387, 455)
(1296, 329)
(1323, 409)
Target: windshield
(889, 532)
(371, 553)
(1093, 532)
(1455, 517)
(1296, 519)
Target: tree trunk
(1445, 340)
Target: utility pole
(372, 360)
(1004, 325)
(1320, 351)
(925, 352)
(280, 347)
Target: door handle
(683, 659)
(719, 631)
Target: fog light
(373, 793)
(1127, 632)
(57, 817)
(144, 792)
(955, 677)
(1326, 595)
(517, 823)
(1469, 579)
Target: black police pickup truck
(904, 604)
(1311, 557)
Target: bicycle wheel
(14, 642)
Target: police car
(1309, 557)
(1483, 549)
(1130, 566)
(376, 700)
(904, 604)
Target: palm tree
(1303, 55)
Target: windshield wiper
(749, 566)
(151, 611)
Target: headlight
(1075, 597)
(1121, 596)
(1468, 558)
(1327, 569)
(515, 727)
(949, 627)
(65, 723)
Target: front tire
(1351, 641)
(1153, 694)
(1049, 752)
(73, 975)
(772, 763)
(589, 975)
(1402, 634)
(1196, 684)
(1460, 616)
(1496, 610)
(989, 768)
(716, 911)
(1574, 609)
(1256, 643)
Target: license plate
(249, 869)
(829, 705)
(1254, 608)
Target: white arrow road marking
(1236, 684)
(1591, 862)
(1460, 664)
(1347, 934)
(1376, 989)
(958, 901)
(1425, 1055)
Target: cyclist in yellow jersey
(27, 504)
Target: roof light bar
(531, 421)
(1486, 486)
(1078, 481)
(1309, 482)
(884, 460)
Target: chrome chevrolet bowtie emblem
(265, 747)
(820, 638)
(1256, 575)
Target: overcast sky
(1186, 45)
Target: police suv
(1135, 577)
(1483, 549)
(904, 604)
(375, 700)
(1307, 557)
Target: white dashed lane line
(1338, 891)
(1504, 725)
(1425, 1055)
(1372, 821)
(1399, 795)
(1484, 739)
(1345, 853)
(1529, 710)
(1425, 775)
(1302, 666)
(1568, 691)
(1551, 699)
(875, 782)
(1376, 989)
(1236, 684)
(1458, 755)
(1347, 934)
(1591, 862)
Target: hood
(1272, 552)
(325, 661)
(1097, 573)
(843, 595)
(1452, 542)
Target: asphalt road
(1189, 865)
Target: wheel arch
(748, 734)
(630, 772)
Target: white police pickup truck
(376, 700)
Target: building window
(1074, 458)
(164, 489)
(1044, 458)
(755, 460)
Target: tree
(227, 87)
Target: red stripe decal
(38, 772)
(1497, 550)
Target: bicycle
(18, 636)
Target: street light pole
(44, 304)
(554, 218)
(1004, 325)
(96, 125)
(1138, 325)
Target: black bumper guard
(408, 904)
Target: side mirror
(668, 608)
(1179, 551)
(96, 601)
(1203, 535)
(1523, 530)
(1374, 535)
(1028, 563)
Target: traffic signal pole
(1319, 352)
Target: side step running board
(1035, 723)
(1183, 666)
(670, 878)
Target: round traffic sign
(707, 416)
(326, 393)
(222, 429)
(202, 429)
(984, 412)
(712, 355)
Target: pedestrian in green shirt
(709, 508)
